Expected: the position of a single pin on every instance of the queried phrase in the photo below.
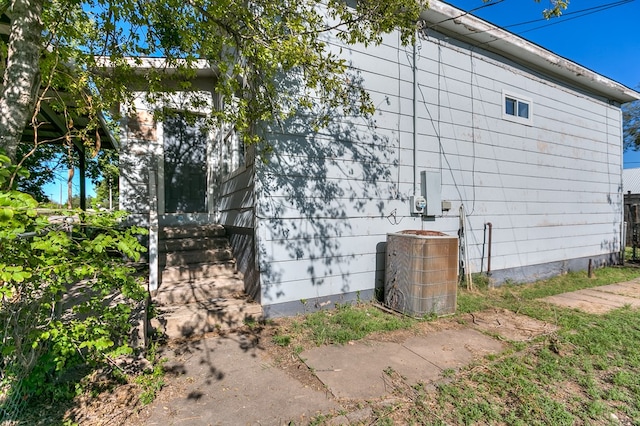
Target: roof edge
(464, 26)
(202, 67)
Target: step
(200, 318)
(199, 291)
(184, 258)
(199, 243)
(191, 231)
(198, 271)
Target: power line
(595, 8)
(582, 13)
(585, 12)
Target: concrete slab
(453, 348)
(630, 289)
(613, 297)
(509, 325)
(582, 301)
(357, 371)
(230, 381)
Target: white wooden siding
(137, 157)
(236, 199)
(551, 190)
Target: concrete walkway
(232, 380)
(600, 300)
(360, 370)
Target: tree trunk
(70, 174)
(21, 77)
(70, 187)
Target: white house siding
(552, 190)
(235, 206)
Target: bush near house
(67, 295)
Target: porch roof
(52, 126)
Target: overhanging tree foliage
(270, 56)
(66, 295)
(631, 125)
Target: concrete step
(189, 244)
(191, 231)
(199, 318)
(199, 291)
(198, 271)
(184, 258)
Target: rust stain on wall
(142, 126)
(543, 147)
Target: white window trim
(239, 164)
(516, 118)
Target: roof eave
(456, 23)
(202, 67)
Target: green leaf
(6, 213)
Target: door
(185, 164)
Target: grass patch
(351, 322)
(587, 372)
(282, 340)
(151, 383)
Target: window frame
(519, 99)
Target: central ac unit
(421, 275)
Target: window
(517, 108)
(233, 153)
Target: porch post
(153, 227)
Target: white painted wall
(552, 190)
(309, 225)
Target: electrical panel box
(431, 186)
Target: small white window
(517, 108)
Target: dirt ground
(121, 404)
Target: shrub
(68, 294)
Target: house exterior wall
(142, 161)
(551, 187)
(236, 209)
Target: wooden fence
(632, 218)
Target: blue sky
(57, 190)
(601, 35)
